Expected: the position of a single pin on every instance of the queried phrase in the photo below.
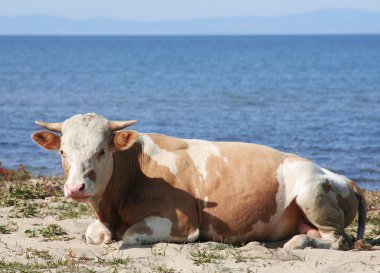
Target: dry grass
(41, 197)
(373, 219)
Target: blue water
(317, 96)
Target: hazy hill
(321, 22)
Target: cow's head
(86, 147)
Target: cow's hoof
(97, 233)
(297, 242)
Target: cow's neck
(120, 204)
(116, 203)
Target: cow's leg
(327, 223)
(98, 233)
(154, 229)
(328, 203)
(328, 233)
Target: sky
(152, 10)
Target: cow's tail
(362, 211)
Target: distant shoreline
(191, 35)
(322, 22)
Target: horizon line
(188, 35)
(189, 19)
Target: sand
(31, 252)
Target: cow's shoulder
(164, 142)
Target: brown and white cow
(148, 188)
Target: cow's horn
(55, 126)
(119, 125)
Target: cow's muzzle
(75, 190)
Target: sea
(316, 96)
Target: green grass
(115, 261)
(40, 198)
(373, 219)
(51, 232)
(239, 255)
(18, 193)
(8, 228)
(25, 209)
(203, 256)
(43, 197)
(69, 210)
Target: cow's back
(234, 184)
(239, 196)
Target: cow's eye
(101, 153)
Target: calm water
(317, 96)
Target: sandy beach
(41, 231)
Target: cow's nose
(81, 187)
(75, 187)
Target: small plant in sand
(12, 193)
(239, 255)
(162, 268)
(51, 232)
(159, 249)
(115, 261)
(202, 256)
(24, 209)
(8, 228)
(69, 210)
(31, 253)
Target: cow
(147, 188)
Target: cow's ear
(124, 139)
(47, 140)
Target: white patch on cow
(303, 180)
(193, 236)
(160, 227)
(283, 197)
(205, 202)
(199, 152)
(97, 233)
(160, 156)
(337, 182)
(296, 177)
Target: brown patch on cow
(123, 140)
(47, 140)
(114, 207)
(169, 144)
(245, 191)
(288, 223)
(92, 175)
(326, 186)
(183, 225)
(139, 188)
